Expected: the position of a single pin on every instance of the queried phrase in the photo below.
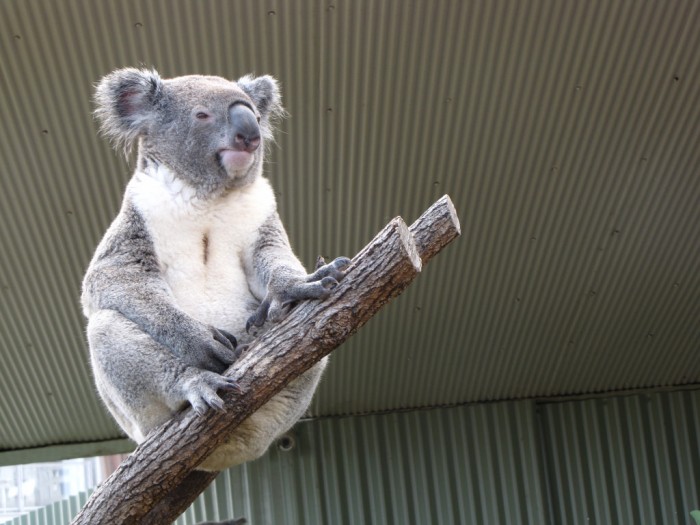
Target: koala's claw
(329, 283)
(226, 352)
(201, 391)
(228, 339)
(207, 348)
(259, 317)
(285, 291)
(335, 269)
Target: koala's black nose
(244, 128)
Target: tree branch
(157, 482)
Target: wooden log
(158, 481)
(435, 228)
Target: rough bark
(435, 229)
(179, 498)
(157, 482)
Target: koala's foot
(200, 386)
(285, 291)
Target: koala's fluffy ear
(265, 93)
(126, 100)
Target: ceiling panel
(566, 134)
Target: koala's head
(209, 131)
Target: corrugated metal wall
(623, 460)
(619, 460)
(461, 465)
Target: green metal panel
(628, 459)
(623, 460)
(449, 466)
(608, 461)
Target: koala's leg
(141, 381)
(257, 432)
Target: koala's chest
(201, 249)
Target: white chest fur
(200, 243)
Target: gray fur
(125, 277)
(157, 340)
(137, 106)
(286, 283)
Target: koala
(196, 257)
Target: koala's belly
(204, 271)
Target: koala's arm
(278, 279)
(125, 276)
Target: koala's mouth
(235, 160)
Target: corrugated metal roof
(565, 133)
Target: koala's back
(199, 245)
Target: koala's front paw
(200, 387)
(335, 269)
(285, 291)
(209, 348)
